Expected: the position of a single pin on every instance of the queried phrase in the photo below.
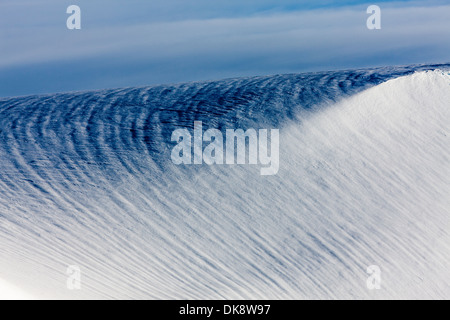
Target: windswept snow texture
(86, 179)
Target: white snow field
(363, 181)
(10, 292)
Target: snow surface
(10, 292)
(364, 180)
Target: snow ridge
(86, 180)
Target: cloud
(148, 52)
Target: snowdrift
(86, 180)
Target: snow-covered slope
(10, 292)
(86, 179)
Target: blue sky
(141, 42)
